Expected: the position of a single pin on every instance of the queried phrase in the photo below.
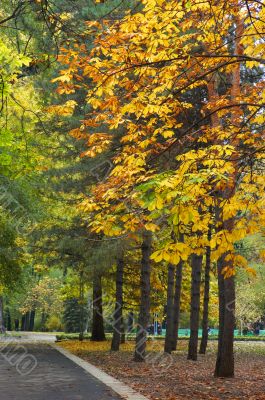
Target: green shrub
(53, 323)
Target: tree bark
(2, 328)
(226, 286)
(177, 297)
(117, 325)
(82, 306)
(123, 331)
(98, 334)
(130, 321)
(27, 321)
(225, 355)
(7, 320)
(32, 320)
(16, 325)
(22, 326)
(176, 309)
(170, 309)
(206, 297)
(43, 320)
(88, 318)
(144, 315)
(196, 263)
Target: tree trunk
(22, 328)
(88, 318)
(117, 325)
(196, 263)
(206, 297)
(123, 331)
(32, 320)
(7, 323)
(176, 309)
(98, 333)
(130, 321)
(82, 306)
(144, 315)
(170, 309)
(43, 320)
(16, 325)
(27, 321)
(2, 328)
(177, 297)
(225, 354)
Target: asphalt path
(37, 371)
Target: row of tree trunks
(28, 320)
(226, 295)
(118, 323)
(173, 304)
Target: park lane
(45, 374)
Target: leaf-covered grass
(176, 378)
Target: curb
(118, 387)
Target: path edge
(117, 386)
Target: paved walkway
(45, 374)
(30, 337)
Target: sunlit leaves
(151, 74)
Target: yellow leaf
(175, 258)
(151, 227)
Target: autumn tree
(147, 71)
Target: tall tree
(170, 118)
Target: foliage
(53, 323)
(72, 315)
(164, 103)
(45, 297)
(250, 301)
(209, 158)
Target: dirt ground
(176, 378)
